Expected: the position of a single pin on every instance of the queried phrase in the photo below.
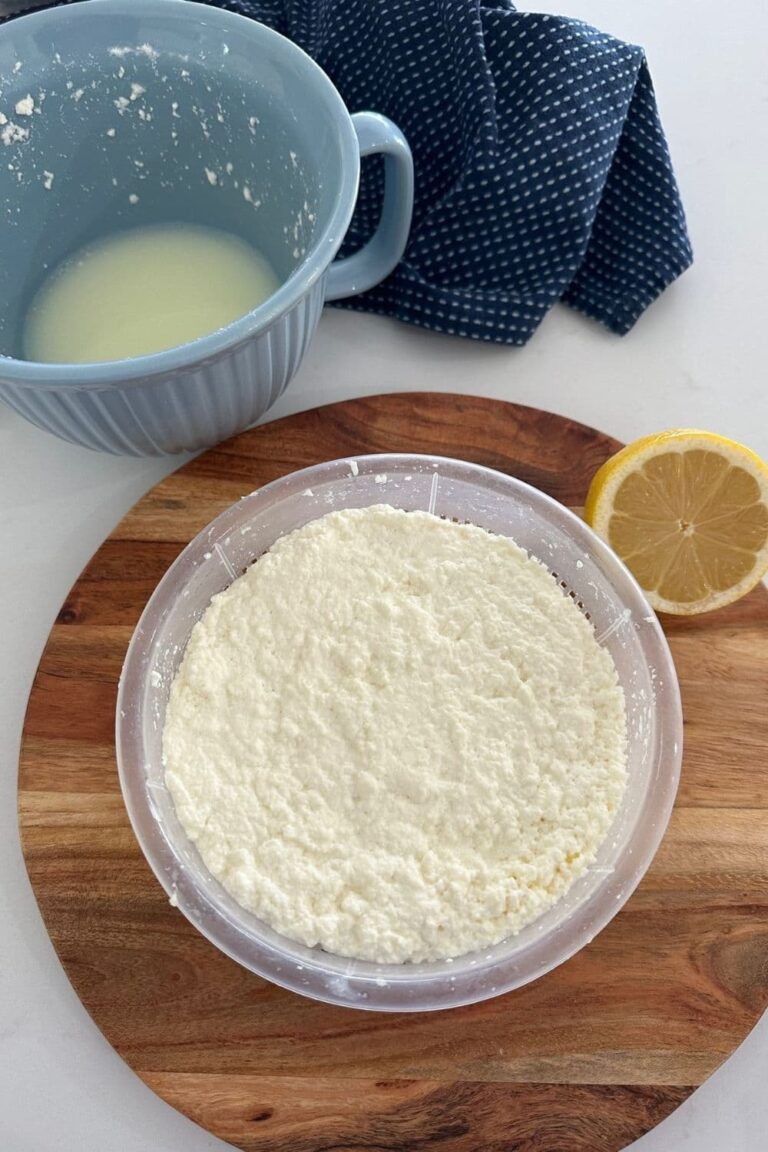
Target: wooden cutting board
(585, 1059)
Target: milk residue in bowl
(144, 290)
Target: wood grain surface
(587, 1058)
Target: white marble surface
(697, 358)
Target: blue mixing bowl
(119, 113)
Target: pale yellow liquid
(142, 291)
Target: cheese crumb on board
(395, 737)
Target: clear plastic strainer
(585, 568)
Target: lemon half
(687, 512)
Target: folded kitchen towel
(542, 171)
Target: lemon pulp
(688, 513)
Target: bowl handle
(376, 260)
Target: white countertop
(697, 358)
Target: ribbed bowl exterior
(183, 411)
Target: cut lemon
(687, 512)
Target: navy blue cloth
(542, 171)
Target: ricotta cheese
(395, 737)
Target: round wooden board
(585, 1059)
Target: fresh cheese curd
(395, 737)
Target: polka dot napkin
(542, 172)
